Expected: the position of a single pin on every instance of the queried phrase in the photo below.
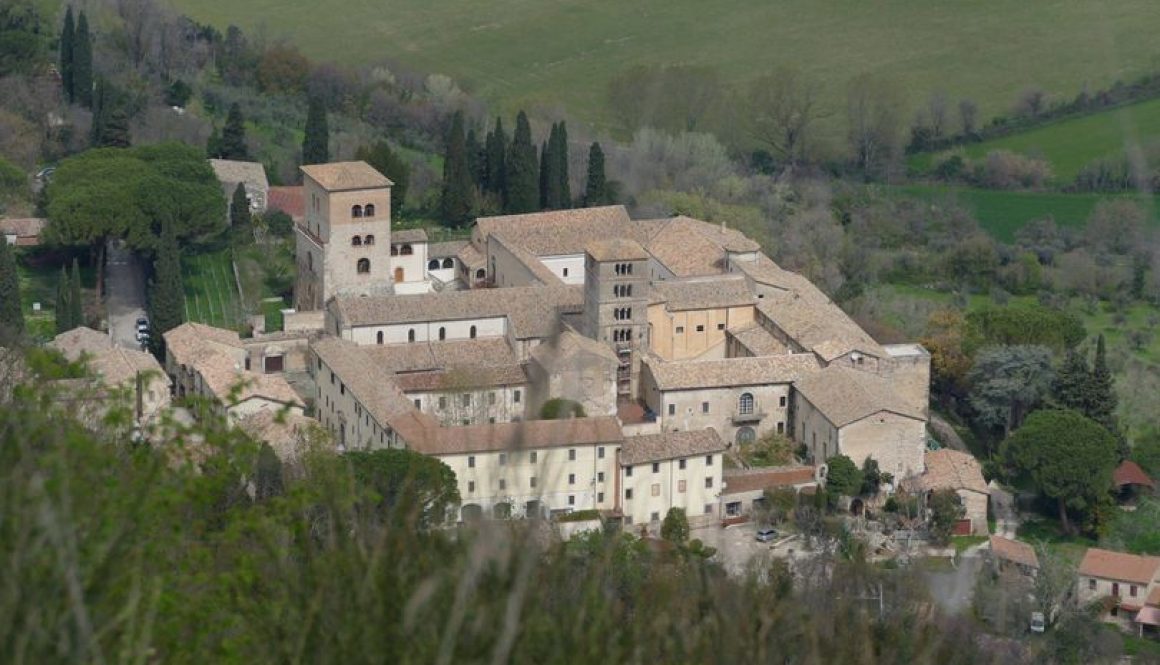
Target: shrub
(560, 409)
(843, 477)
(1003, 169)
(675, 528)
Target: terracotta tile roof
(408, 235)
(702, 293)
(23, 227)
(533, 311)
(189, 341)
(568, 345)
(420, 356)
(1154, 597)
(462, 378)
(471, 257)
(845, 395)
(670, 445)
(616, 249)
(1014, 551)
(1119, 566)
(232, 172)
(80, 340)
(1130, 473)
(819, 325)
(754, 480)
(557, 232)
(286, 432)
(757, 340)
(690, 247)
(951, 469)
(290, 200)
(523, 435)
(232, 386)
(342, 176)
(541, 272)
(753, 371)
(443, 250)
(765, 271)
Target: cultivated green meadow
(562, 53)
(1070, 144)
(211, 293)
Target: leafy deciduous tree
(843, 476)
(675, 527)
(1008, 382)
(946, 509)
(407, 487)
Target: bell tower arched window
(364, 266)
(471, 333)
(369, 240)
(355, 241)
(356, 211)
(411, 335)
(369, 210)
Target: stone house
(1006, 553)
(250, 175)
(948, 469)
(135, 374)
(1128, 583)
(744, 491)
(22, 232)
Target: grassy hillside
(1070, 144)
(1002, 213)
(522, 52)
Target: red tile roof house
(1129, 479)
(1129, 583)
(745, 489)
(22, 232)
(1008, 553)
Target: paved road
(125, 284)
(954, 589)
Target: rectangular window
(681, 486)
(502, 484)
(656, 517)
(1132, 590)
(532, 482)
(418, 404)
(700, 328)
(704, 407)
(708, 460)
(709, 482)
(672, 409)
(470, 486)
(628, 494)
(600, 497)
(516, 397)
(502, 459)
(628, 472)
(720, 326)
(600, 452)
(571, 454)
(708, 509)
(571, 500)
(491, 398)
(681, 465)
(781, 428)
(781, 402)
(571, 479)
(442, 402)
(465, 400)
(599, 476)
(680, 330)
(533, 456)
(656, 467)
(656, 489)
(471, 461)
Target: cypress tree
(76, 301)
(100, 113)
(545, 171)
(496, 161)
(116, 132)
(241, 222)
(316, 144)
(63, 310)
(233, 141)
(596, 189)
(82, 64)
(385, 161)
(268, 474)
(475, 159)
(561, 155)
(213, 145)
(67, 43)
(11, 313)
(110, 120)
(167, 294)
(1101, 405)
(457, 200)
(522, 170)
(1072, 381)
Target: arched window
(370, 240)
(433, 264)
(355, 241)
(364, 266)
(442, 334)
(746, 435)
(745, 404)
(448, 263)
(379, 337)
(356, 211)
(471, 333)
(480, 274)
(394, 250)
(406, 250)
(369, 210)
(411, 335)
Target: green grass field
(522, 53)
(1002, 213)
(1070, 144)
(211, 293)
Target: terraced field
(211, 293)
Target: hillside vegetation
(563, 54)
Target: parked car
(1038, 623)
(766, 535)
(142, 324)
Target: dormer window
(355, 241)
(369, 240)
(356, 211)
(369, 210)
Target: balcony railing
(751, 417)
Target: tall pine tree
(11, 314)
(495, 180)
(166, 293)
(76, 300)
(1072, 381)
(523, 191)
(560, 153)
(596, 189)
(233, 141)
(67, 43)
(63, 309)
(316, 143)
(82, 64)
(1101, 405)
(458, 195)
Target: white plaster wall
(568, 267)
(342, 415)
(697, 499)
(480, 408)
(397, 333)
